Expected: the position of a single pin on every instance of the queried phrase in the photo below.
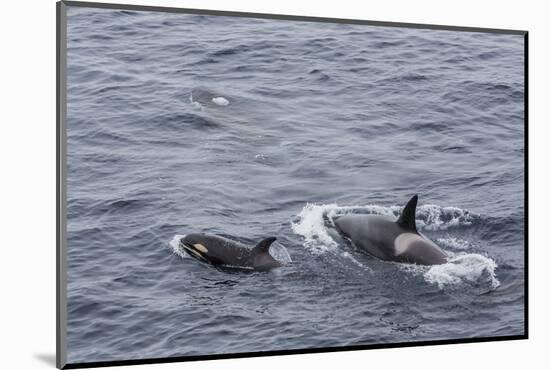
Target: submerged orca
(219, 251)
(391, 240)
(207, 98)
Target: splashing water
(311, 225)
(175, 246)
(469, 268)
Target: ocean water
(252, 128)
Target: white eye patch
(200, 248)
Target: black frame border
(61, 219)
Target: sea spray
(174, 245)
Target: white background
(27, 183)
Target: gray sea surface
(252, 128)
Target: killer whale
(392, 240)
(223, 252)
(207, 98)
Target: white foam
(310, 224)
(433, 217)
(175, 245)
(220, 100)
(463, 268)
(454, 243)
(195, 104)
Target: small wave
(488, 55)
(406, 78)
(127, 12)
(387, 44)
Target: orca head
(191, 239)
(195, 245)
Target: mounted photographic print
(234, 184)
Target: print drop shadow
(47, 358)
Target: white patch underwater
(217, 100)
(220, 100)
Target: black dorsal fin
(407, 220)
(263, 246)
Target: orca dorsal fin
(263, 246)
(407, 220)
